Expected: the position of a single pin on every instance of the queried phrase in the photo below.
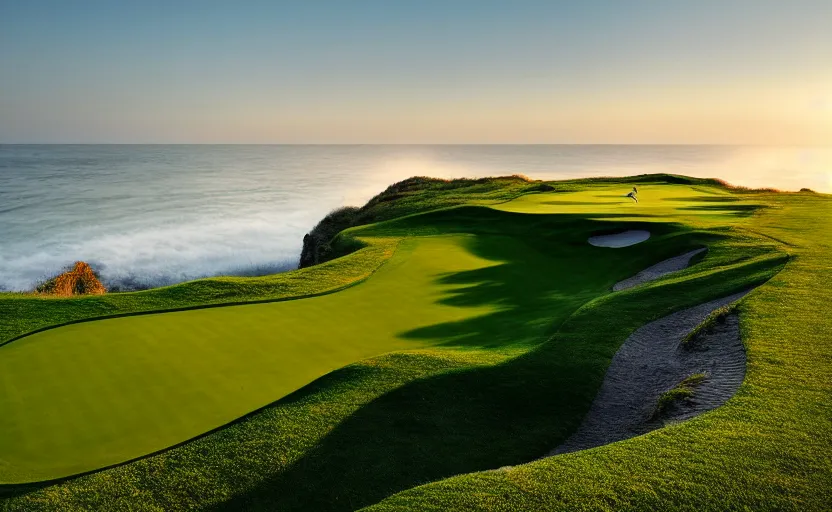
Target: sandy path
(650, 362)
(658, 270)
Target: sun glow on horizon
(533, 72)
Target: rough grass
(511, 384)
(717, 316)
(682, 391)
(766, 449)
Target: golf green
(93, 394)
(89, 395)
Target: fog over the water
(153, 215)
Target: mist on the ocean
(147, 216)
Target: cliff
(413, 195)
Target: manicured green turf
(93, 394)
(24, 313)
(500, 380)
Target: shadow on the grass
(743, 210)
(487, 417)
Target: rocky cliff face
(316, 243)
(80, 280)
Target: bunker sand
(652, 361)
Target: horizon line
(412, 144)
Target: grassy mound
(501, 323)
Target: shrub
(79, 280)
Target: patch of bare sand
(658, 270)
(617, 240)
(652, 361)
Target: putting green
(85, 396)
(88, 395)
(656, 202)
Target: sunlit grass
(509, 382)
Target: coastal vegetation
(81, 279)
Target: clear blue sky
(731, 71)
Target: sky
(452, 71)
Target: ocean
(151, 215)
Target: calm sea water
(153, 215)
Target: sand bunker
(624, 239)
(652, 361)
(658, 270)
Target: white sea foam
(153, 215)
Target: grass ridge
(203, 306)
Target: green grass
(24, 313)
(766, 449)
(716, 316)
(681, 391)
(93, 394)
(508, 356)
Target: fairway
(93, 394)
(665, 202)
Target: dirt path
(652, 361)
(658, 270)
